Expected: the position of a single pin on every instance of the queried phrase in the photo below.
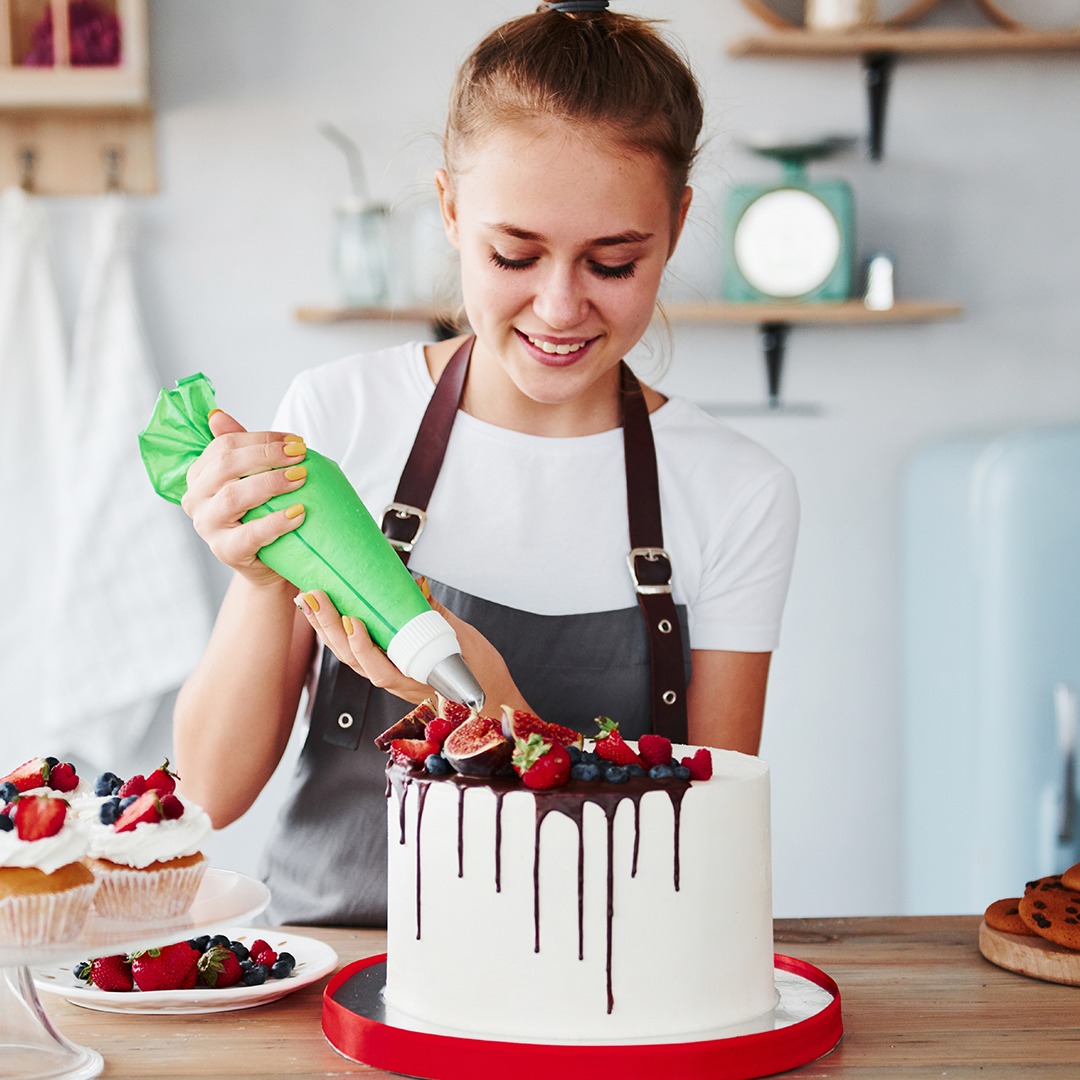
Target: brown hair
(598, 67)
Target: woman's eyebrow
(631, 236)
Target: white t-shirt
(540, 524)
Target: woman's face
(563, 239)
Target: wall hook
(114, 159)
(27, 161)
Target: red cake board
(355, 1032)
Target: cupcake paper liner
(147, 895)
(39, 918)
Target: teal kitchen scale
(793, 240)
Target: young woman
(569, 497)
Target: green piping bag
(338, 549)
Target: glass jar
(362, 253)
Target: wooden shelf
(838, 313)
(811, 43)
(849, 311)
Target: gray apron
(326, 860)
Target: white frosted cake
(592, 912)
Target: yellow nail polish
(311, 602)
(294, 511)
(295, 472)
(212, 413)
(425, 589)
(347, 625)
(295, 449)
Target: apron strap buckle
(652, 574)
(402, 525)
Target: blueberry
(81, 970)
(6, 824)
(125, 803)
(287, 958)
(616, 774)
(583, 771)
(247, 965)
(8, 792)
(255, 975)
(109, 812)
(51, 761)
(219, 939)
(437, 765)
(280, 970)
(661, 772)
(591, 757)
(239, 950)
(634, 770)
(681, 772)
(201, 943)
(574, 753)
(103, 785)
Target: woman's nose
(562, 299)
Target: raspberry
(654, 750)
(700, 765)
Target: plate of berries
(238, 968)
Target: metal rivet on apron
(345, 721)
(664, 626)
(668, 697)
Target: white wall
(976, 199)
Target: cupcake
(45, 890)
(145, 852)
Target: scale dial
(787, 243)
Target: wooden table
(918, 1001)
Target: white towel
(33, 363)
(130, 607)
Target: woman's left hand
(347, 638)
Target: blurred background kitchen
(921, 707)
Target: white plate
(314, 959)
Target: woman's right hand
(238, 471)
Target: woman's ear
(447, 206)
(680, 218)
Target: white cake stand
(30, 1047)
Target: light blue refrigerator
(992, 666)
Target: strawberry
(112, 973)
(410, 726)
(147, 807)
(541, 765)
(437, 730)
(654, 750)
(63, 777)
(171, 967)
(411, 753)
(162, 779)
(218, 967)
(38, 816)
(700, 765)
(611, 746)
(134, 785)
(31, 774)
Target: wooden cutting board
(1032, 956)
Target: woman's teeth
(559, 350)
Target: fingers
(350, 642)
(221, 423)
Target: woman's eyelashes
(601, 270)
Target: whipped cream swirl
(151, 842)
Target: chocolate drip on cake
(568, 800)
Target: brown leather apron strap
(650, 564)
(404, 519)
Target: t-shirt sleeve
(747, 569)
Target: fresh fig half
(518, 724)
(453, 711)
(478, 747)
(410, 726)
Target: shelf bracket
(773, 341)
(877, 70)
